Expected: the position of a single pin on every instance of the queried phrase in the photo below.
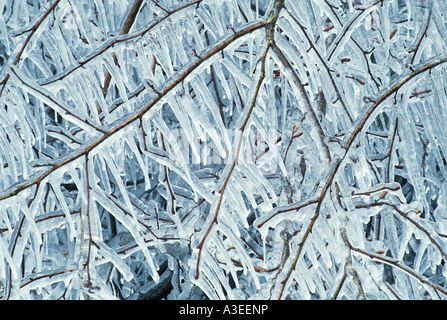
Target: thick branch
(27, 40)
(136, 116)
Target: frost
(223, 149)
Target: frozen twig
(32, 30)
(359, 127)
(396, 264)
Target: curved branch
(364, 52)
(137, 115)
(115, 41)
(33, 30)
(418, 44)
(393, 263)
(412, 221)
(315, 123)
(345, 31)
(270, 24)
(360, 126)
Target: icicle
(119, 181)
(56, 104)
(237, 72)
(245, 259)
(111, 256)
(54, 181)
(131, 143)
(130, 225)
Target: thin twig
(305, 98)
(111, 43)
(137, 115)
(396, 264)
(390, 151)
(33, 30)
(66, 109)
(310, 226)
(87, 213)
(166, 180)
(418, 44)
(364, 52)
(124, 30)
(406, 217)
(348, 266)
(344, 32)
(235, 160)
(46, 274)
(220, 103)
(323, 62)
(294, 208)
(270, 25)
(360, 126)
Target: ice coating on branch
(222, 149)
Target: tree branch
(124, 30)
(418, 44)
(270, 27)
(33, 30)
(315, 123)
(345, 31)
(117, 40)
(406, 217)
(360, 126)
(396, 264)
(324, 63)
(235, 160)
(137, 115)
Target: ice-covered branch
(137, 115)
(31, 31)
(273, 17)
(359, 127)
(316, 126)
(114, 41)
(176, 149)
(394, 263)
